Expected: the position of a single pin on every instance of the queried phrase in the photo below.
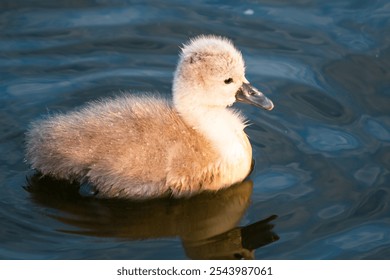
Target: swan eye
(228, 81)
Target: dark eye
(228, 81)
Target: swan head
(211, 74)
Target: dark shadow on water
(206, 223)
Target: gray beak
(251, 95)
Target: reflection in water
(206, 224)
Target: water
(322, 155)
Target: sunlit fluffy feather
(145, 146)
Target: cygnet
(145, 146)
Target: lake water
(320, 188)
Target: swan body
(146, 146)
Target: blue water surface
(322, 155)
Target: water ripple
(331, 211)
(282, 180)
(377, 127)
(363, 238)
(326, 139)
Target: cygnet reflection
(207, 223)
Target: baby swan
(143, 146)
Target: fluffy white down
(143, 147)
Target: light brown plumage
(143, 147)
